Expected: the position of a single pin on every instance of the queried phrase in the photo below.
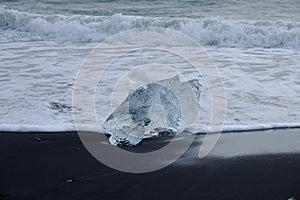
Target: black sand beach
(57, 166)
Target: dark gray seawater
(229, 9)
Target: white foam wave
(250, 127)
(228, 33)
(207, 31)
(26, 128)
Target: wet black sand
(57, 166)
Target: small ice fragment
(37, 139)
(69, 181)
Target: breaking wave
(215, 31)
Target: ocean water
(255, 44)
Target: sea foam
(25, 128)
(214, 31)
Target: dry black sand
(57, 166)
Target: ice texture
(165, 107)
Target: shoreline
(29, 128)
(261, 165)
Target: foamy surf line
(212, 31)
(25, 128)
